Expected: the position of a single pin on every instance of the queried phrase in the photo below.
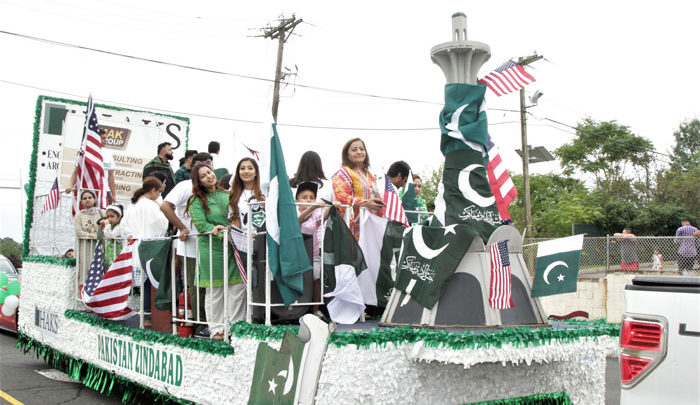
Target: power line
(185, 113)
(220, 72)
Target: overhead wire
(220, 72)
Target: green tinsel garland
(59, 261)
(555, 398)
(92, 376)
(518, 337)
(29, 214)
(215, 347)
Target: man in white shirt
(174, 206)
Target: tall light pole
(524, 61)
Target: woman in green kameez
(208, 208)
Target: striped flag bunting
(502, 186)
(394, 209)
(237, 255)
(500, 290)
(507, 78)
(52, 198)
(106, 293)
(91, 174)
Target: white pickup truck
(660, 341)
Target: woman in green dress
(208, 208)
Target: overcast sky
(621, 60)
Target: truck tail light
(641, 335)
(643, 346)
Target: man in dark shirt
(162, 163)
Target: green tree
(607, 150)
(686, 152)
(556, 202)
(9, 247)
(430, 187)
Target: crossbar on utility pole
(280, 32)
(524, 61)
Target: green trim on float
(58, 261)
(518, 337)
(29, 214)
(554, 398)
(92, 376)
(218, 348)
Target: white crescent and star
(551, 266)
(468, 192)
(453, 126)
(420, 245)
(288, 376)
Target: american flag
(237, 257)
(253, 152)
(53, 197)
(502, 186)
(91, 171)
(507, 78)
(106, 293)
(394, 209)
(500, 291)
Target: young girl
(657, 260)
(245, 189)
(209, 212)
(110, 231)
(310, 220)
(86, 220)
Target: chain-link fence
(640, 253)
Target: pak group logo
(117, 138)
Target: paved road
(20, 378)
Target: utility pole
(524, 61)
(280, 32)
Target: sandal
(218, 336)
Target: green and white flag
(276, 376)
(380, 241)
(155, 256)
(286, 253)
(464, 194)
(407, 193)
(429, 256)
(343, 262)
(557, 266)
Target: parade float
(444, 343)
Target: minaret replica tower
(460, 59)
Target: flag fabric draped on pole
(464, 194)
(91, 171)
(52, 198)
(507, 78)
(106, 293)
(286, 254)
(500, 296)
(394, 209)
(502, 186)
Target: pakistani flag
(557, 266)
(155, 256)
(464, 194)
(407, 193)
(286, 253)
(276, 374)
(343, 262)
(429, 256)
(380, 241)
